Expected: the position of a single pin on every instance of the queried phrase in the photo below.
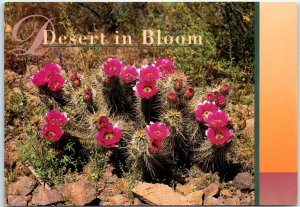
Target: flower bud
(103, 122)
(178, 85)
(73, 75)
(87, 97)
(172, 97)
(209, 97)
(77, 82)
(189, 93)
(225, 90)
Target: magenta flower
(103, 122)
(149, 73)
(204, 109)
(129, 74)
(216, 120)
(109, 136)
(145, 89)
(40, 78)
(225, 89)
(52, 69)
(56, 82)
(218, 137)
(51, 133)
(165, 65)
(157, 131)
(56, 118)
(155, 145)
(112, 67)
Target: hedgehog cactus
(152, 115)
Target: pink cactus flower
(204, 109)
(145, 89)
(112, 67)
(157, 131)
(56, 118)
(103, 122)
(109, 136)
(129, 74)
(216, 120)
(225, 89)
(56, 82)
(51, 133)
(52, 69)
(155, 146)
(172, 97)
(165, 65)
(189, 93)
(149, 73)
(218, 137)
(40, 78)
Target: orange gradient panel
(278, 87)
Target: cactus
(149, 117)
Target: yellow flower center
(219, 136)
(108, 136)
(147, 89)
(157, 132)
(113, 68)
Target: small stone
(79, 192)
(211, 201)
(15, 200)
(211, 190)
(46, 196)
(158, 194)
(184, 189)
(235, 201)
(23, 186)
(238, 193)
(225, 193)
(195, 198)
(244, 181)
(118, 199)
(137, 201)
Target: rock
(211, 201)
(137, 201)
(235, 201)
(211, 190)
(79, 192)
(195, 198)
(243, 181)
(238, 193)
(119, 200)
(10, 159)
(23, 186)
(184, 189)
(16, 200)
(225, 193)
(46, 196)
(158, 194)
